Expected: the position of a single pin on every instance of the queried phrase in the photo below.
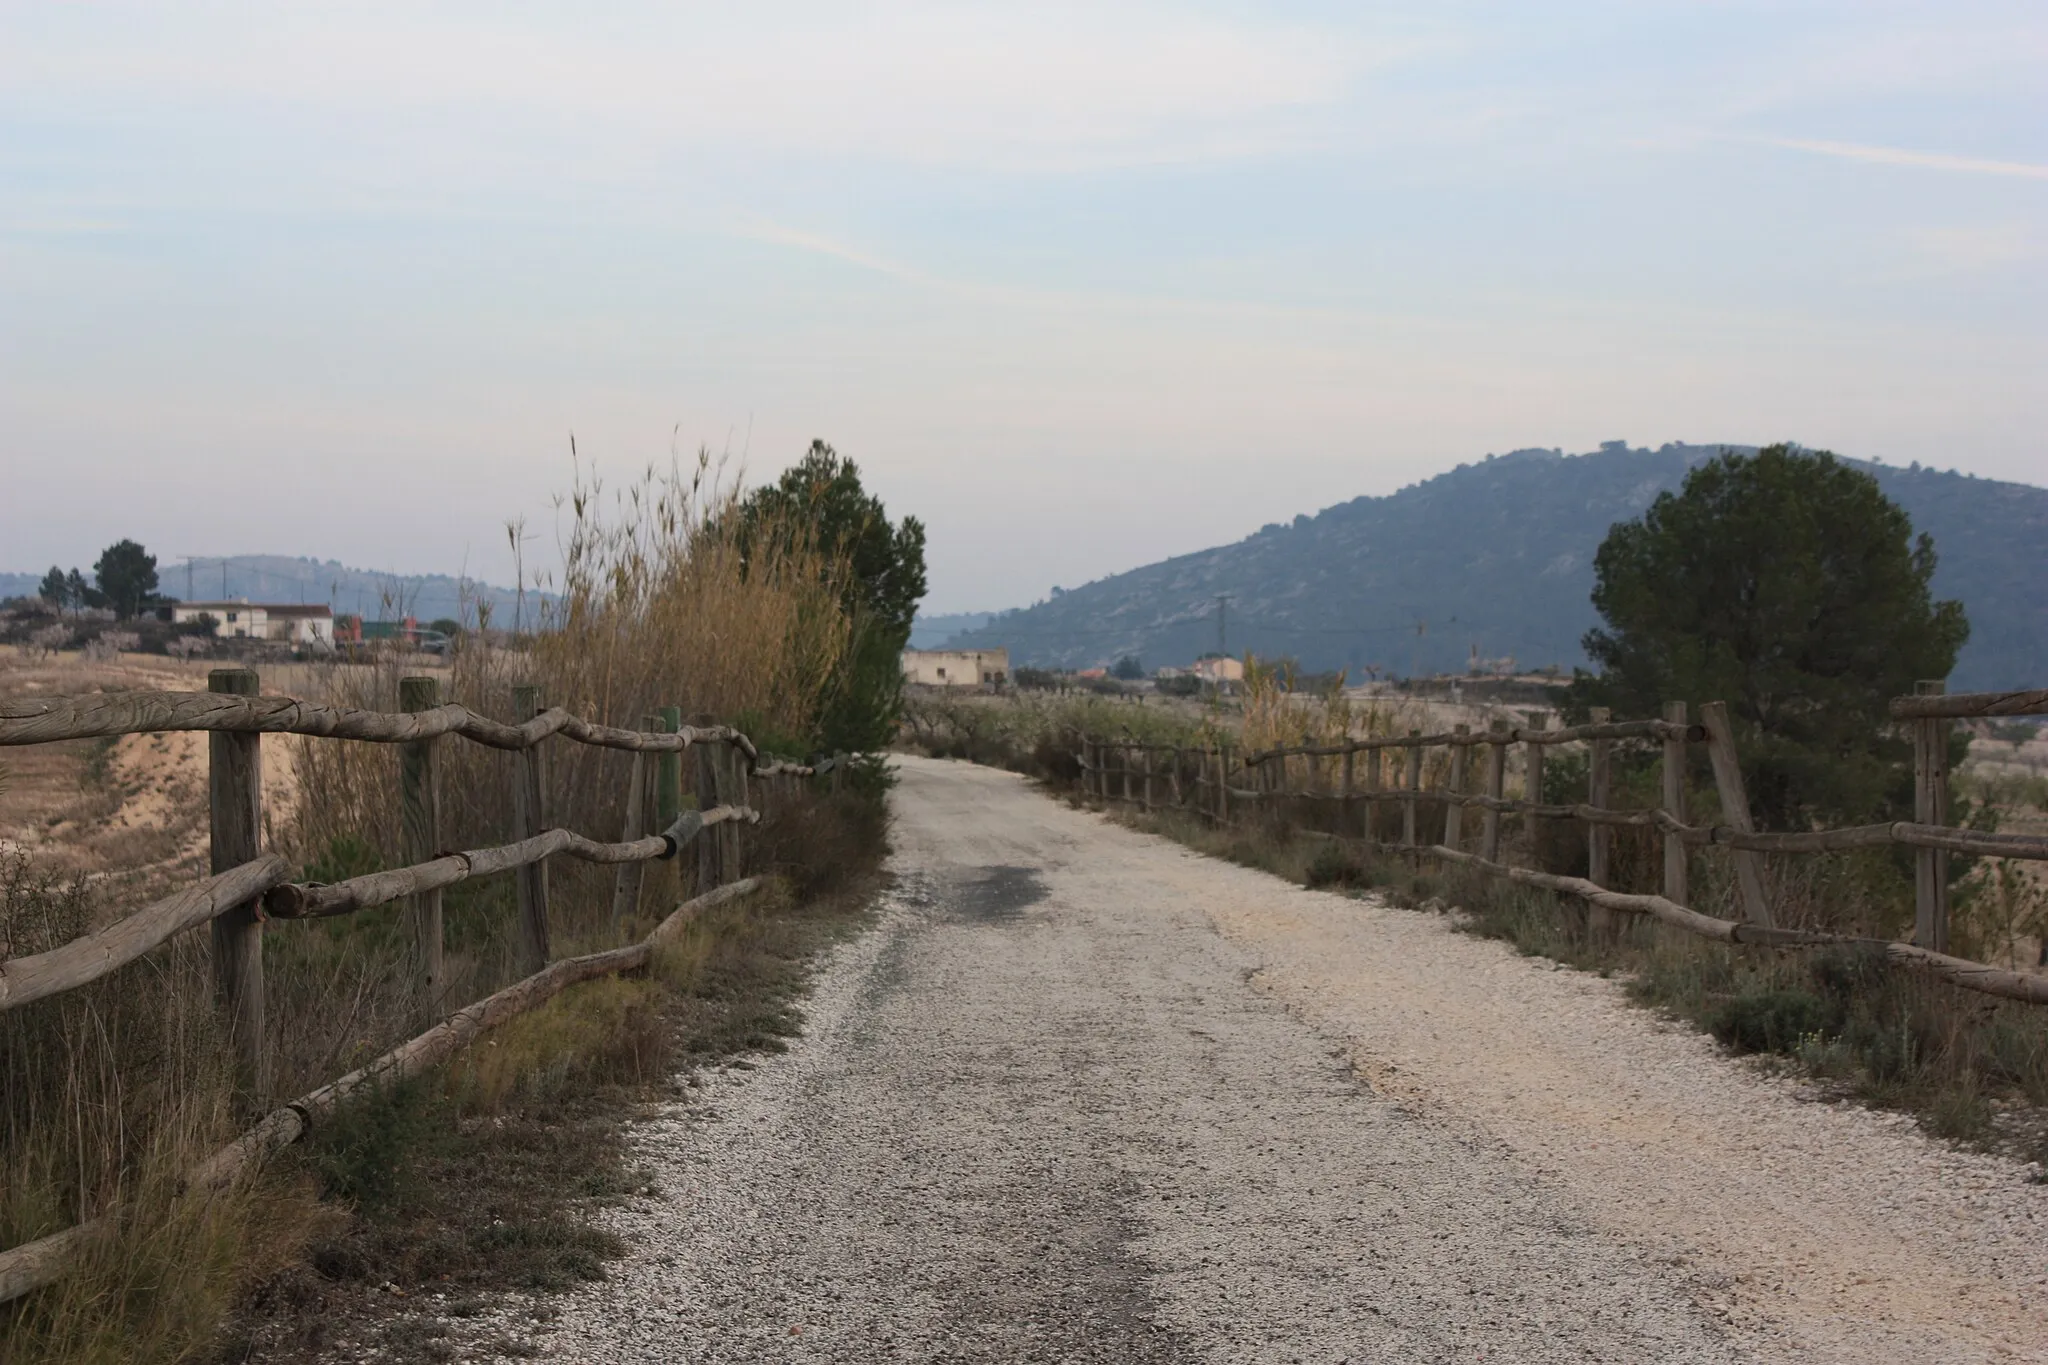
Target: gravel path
(1085, 1096)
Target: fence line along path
(249, 888)
(1220, 785)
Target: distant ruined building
(956, 667)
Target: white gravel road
(1082, 1095)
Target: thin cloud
(1900, 156)
(776, 234)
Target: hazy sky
(1079, 285)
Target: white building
(956, 667)
(242, 619)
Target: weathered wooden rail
(1219, 785)
(249, 887)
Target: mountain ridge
(1495, 558)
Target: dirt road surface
(1082, 1095)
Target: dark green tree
(126, 574)
(54, 589)
(1127, 668)
(821, 495)
(82, 593)
(1787, 585)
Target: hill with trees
(1494, 561)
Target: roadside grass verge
(1972, 1070)
(489, 1174)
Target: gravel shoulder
(1082, 1095)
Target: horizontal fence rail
(1970, 705)
(23, 979)
(311, 900)
(1975, 976)
(44, 1261)
(250, 887)
(1623, 729)
(1128, 772)
(43, 720)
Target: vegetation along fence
(249, 887)
(1221, 785)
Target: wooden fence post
(419, 810)
(1532, 782)
(1412, 783)
(530, 815)
(1372, 795)
(1673, 774)
(668, 770)
(1454, 814)
(235, 807)
(1749, 873)
(1146, 750)
(1179, 797)
(1123, 763)
(1599, 837)
(1223, 782)
(626, 881)
(1346, 781)
(1930, 807)
(732, 791)
(1496, 789)
(710, 859)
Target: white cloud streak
(1900, 156)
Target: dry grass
(113, 1092)
(487, 1174)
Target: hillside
(929, 632)
(1497, 557)
(281, 578)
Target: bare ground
(131, 809)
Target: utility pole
(1222, 618)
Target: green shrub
(1773, 1020)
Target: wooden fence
(249, 887)
(1221, 785)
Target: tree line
(123, 581)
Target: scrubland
(484, 1174)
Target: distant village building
(956, 667)
(1219, 668)
(242, 619)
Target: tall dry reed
(657, 607)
